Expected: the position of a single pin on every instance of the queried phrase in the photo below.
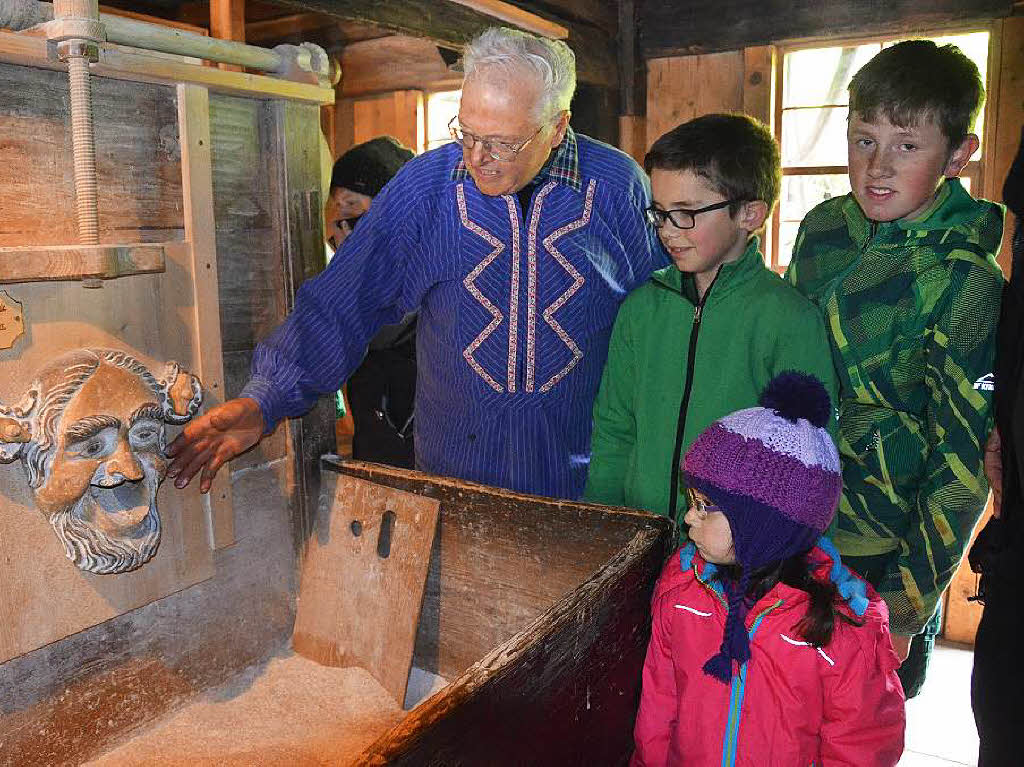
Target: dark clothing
(999, 551)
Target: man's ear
(752, 215)
(960, 155)
(560, 127)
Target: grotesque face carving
(91, 433)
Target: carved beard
(93, 549)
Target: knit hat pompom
(796, 395)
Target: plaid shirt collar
(562, 166)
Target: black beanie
(367, 167)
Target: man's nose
(124, 464)
(476, 154)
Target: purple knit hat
(774, 472)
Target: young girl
(755, 658)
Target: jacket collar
(729, 276)
(563, 166)
(952, 210)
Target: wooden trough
(535, 612)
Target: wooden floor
(291, 711)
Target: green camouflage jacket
(911, 311)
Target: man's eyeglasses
(682, 218)
(503, 151)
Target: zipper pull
(697, 312)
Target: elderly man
(516, 244)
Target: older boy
(903, 268)
(704, 336)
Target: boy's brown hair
(916, 80)
(736, 154)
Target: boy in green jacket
(904, 271)
(704, 336)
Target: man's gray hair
(510, 52)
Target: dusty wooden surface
(363, 577)
(137, 157)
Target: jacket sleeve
(864, 715)
(614, 433)
(960, 351)
(655, 720)
(369, 283)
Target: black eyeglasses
(682, 218)
(496, 150)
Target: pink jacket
(791, 705)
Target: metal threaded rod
(84, 150)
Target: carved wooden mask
(90, 432)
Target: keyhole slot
(387, 526)
(357, 528)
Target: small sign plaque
(12, 320)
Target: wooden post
(227, 22)
(200, 232)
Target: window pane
(799, 195)
(820, 76)
(441, 108)
(814, 137)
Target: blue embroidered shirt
(515, 311)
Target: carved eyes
(144, 435)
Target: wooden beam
(227, 22)
(719, 25)
(394, 63)
(82, 262)
(632, 74)
(203, 294)
(517, 17)
(279, 28)
(453, 25)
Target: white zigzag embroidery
(549, 318)
(470, 284)
(513, 300)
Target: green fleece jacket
(911, 309)
(752, 326)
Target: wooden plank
(138, 160)
(227, 22)
(566, 685)
(363, 578)
(720, 25)
(632, 74)
(398, 114)
(1007, 117)
(394, 63)
(683, 87)
(633, 136)
(194, 28)
(496, 547)
(517, 17)
(124, 64)
(453, 25)
(759, 83)
(208, 361)
(40, 263)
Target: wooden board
(363, 579)
(683, 87)
(398, 114)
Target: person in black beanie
(381, 392)
(358, 176)
(998, 552)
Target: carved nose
(123, 466)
